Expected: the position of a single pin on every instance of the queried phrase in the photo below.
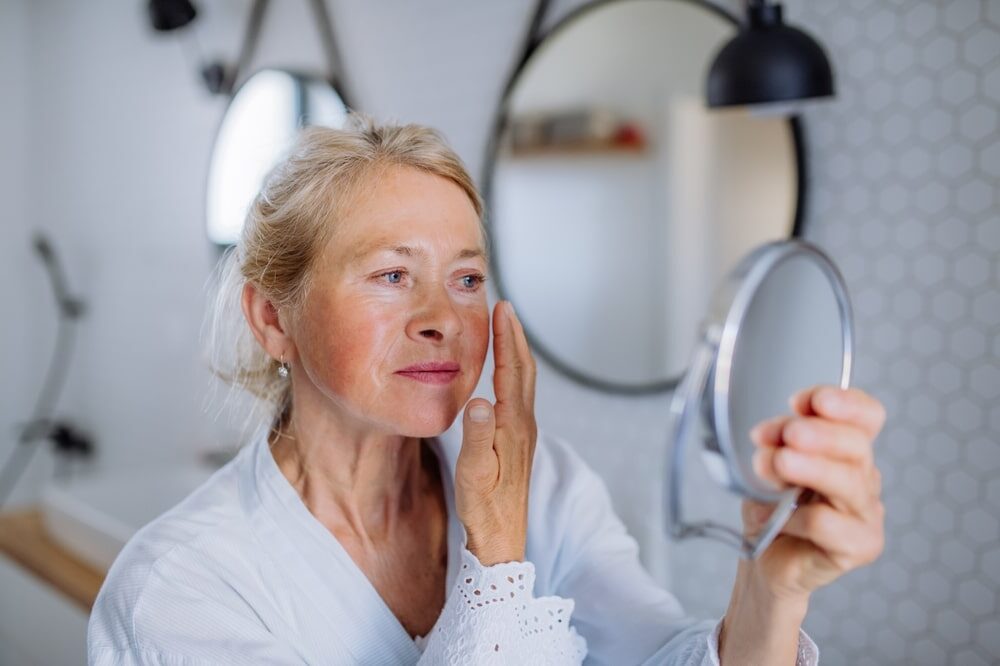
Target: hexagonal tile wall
(904, 170)
(905, 166)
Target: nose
(435, 317)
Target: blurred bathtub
(94, 517)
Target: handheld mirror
(779, 323)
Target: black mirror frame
(533, 43)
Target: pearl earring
(283, 368)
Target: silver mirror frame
(704, 389)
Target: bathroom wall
(906, 172)
(105, 143)
(905, 167)
(26, 328)
(120, 130)
(14, 326)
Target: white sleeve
(491, 616)
(625, 615)
(179, 619)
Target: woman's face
(400, 284)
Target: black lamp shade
(768, 61)
(167, 15)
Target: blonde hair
(287, 226)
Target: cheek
(475, 344)
(351, 346)
(479, 335)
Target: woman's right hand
(493, 471)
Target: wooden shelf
(24, 540)
(579, 148)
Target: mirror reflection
(790, 339)
(617, 199)
(258, 128)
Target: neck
(351, 476)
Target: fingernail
(479, 413)
(831, 400)
(756, 432)
(510, 309)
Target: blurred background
(108, 135)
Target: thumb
(478, 427)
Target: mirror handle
(691, 387)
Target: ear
(265, 323)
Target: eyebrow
(407, 251)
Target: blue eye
(476, 280)
(394, 278)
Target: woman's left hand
(826, 447)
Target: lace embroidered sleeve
(491, 616)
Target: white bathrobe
(242, 572)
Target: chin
(425, 429)
(429, 421)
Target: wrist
(751, 589)
(760, 626)
(494, 550)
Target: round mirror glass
(259, 126)
(781, 322)
(616, 198)
(790, 338)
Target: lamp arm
(249, 45)
(325, 25)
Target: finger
(838, 441)
(507, 374)
(763, 466)
(769, 432)
(845, 486)
(478, 428)
(526, 359)
(845, 405)
(801, 402)
(849, 540)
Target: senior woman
(357, 526)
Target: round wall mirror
(259, 126)
(617, 201)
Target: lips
(431, 372)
